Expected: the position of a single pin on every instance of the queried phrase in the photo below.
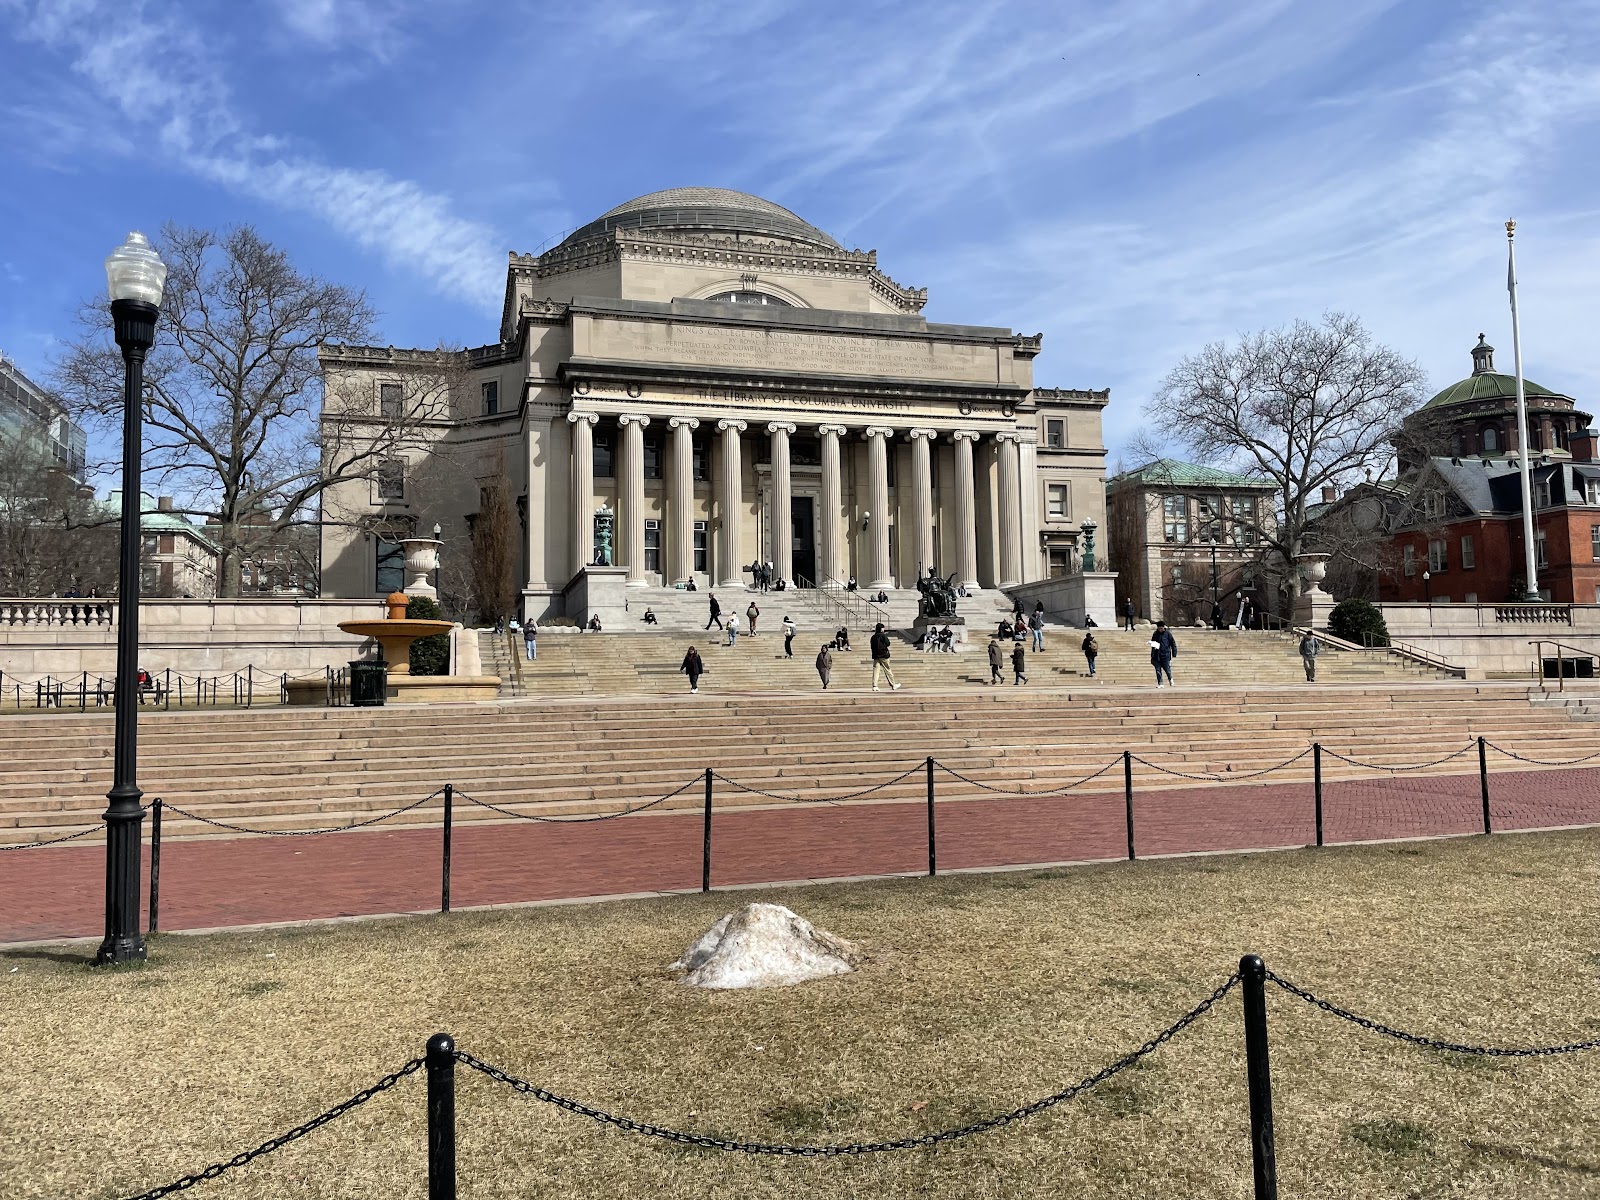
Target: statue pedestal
(1312, 608)
(958, 627)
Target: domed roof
(1488, 386)
(704, 209)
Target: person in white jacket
(789, 630)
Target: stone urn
(422, 556)
(1313, 569)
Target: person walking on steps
(1019, 663)
(789, 630)
(1163, 649)
(733, 628)
(825, 664)
(880, 660)
(997, 661)
(1091, 651)
(1128, 613)
(1310, 647)
(716, 612)
(530, 641)
(694, 667)
(751, 614)
(1036, 627)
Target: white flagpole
(1531, 571)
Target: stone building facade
(699, 380)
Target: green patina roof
(1167, 472)
(1490, 385)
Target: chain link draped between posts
(1224, 777)
(877, 787)
(1540, 762)
(283, 1139)
(627, 812)
(1058, 791)
(362, 824)
(1369, 766)
(647, 1129)
(56, 841)
(1417, 1039)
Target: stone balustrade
(1533, 614)
(57, 613)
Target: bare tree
(233, 388)
(1304, 407)
(53, 537)
(495, 549)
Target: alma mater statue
(938, 595)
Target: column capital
(785, 426)
(575, 417)
(1008, 436)
(626, 419)
(882, 431)
(964, 435)
(727, 423)
(684, 422)
(837, 430)
(914, 434)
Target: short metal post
(249, 685)
(168, 692)
(449, 812)
(1262, 1151)
(441, 1060)
(1483, 783)
(705, 856)
(1316, 785)
(155, 863)
(932, 860)
(1127, 795)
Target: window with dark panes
(1055, 434)
(392, 479)
(602, 454)
(491, 398)
(391, 402)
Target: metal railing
(1561, 661)
(164, 689)
(1411, 651)
(838, 606)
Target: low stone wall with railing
(1497, 639)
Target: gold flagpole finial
(1511, 229)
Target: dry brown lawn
(983, 992)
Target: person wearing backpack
(1091, 651)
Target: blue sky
(1134, 179)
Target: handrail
(517, 654)
(837, 604)
(1412, 651)
(1538, 660)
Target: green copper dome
(1485, 383)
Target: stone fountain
(394, 635)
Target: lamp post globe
(136, 279)
(1427, 586)
(1087, 560)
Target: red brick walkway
(57, 892)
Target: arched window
(748, 297)
(1491, 439)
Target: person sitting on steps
(841, 640)
(594, 623)
(650, 617)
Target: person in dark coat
(997, 661)
(1128, 613)
(1091, 651)
(825, 664)
(1163, 649)
(716, 612)
(1019, 661)
(693, 667)
(880, 660)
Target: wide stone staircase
(291, 769)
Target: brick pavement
(57, 891)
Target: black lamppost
(135, 275)
(1427, 586)
(1216, 602)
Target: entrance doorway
(802, 524)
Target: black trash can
(369, 683)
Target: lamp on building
(1086, 562)
(866, 520)
(436, 531)
(136, 278)
(1427, 585)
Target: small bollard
(441, 1059)
(155, 863)
(1262, 1151)
(1483, 783)
(444, 883)
(705, 854)
(1316, 785)
(932, 861)
(1127, 796)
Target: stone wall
(1496, 638)
(40, 638)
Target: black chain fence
(442, 1057)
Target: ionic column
(1010, 556)
(680, 504)
(966, 510)
(582, 527)
(830, 558)
(877, 556)
(631, 536)
(782, 487)
(922, 499)
(731, 566)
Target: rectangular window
(1177, 574)
(1541, 492)
(150, 579)
(1055, 435)
(391, 406)
(491, 398)
(392, 479)
(1242, 519)
(390, 575)
(700, 555)
(1438, 556)
(151, 543)
(1469, 554)
(602, 454)
(1591, 491)
(652, 546)
(654, 445)
(1540, 557)
(1432, 506)
(1175, 518)
(1060, 563)
(1409, 560)
(1470, 598)
(1594, 542)
(1059, 500)
(702, 462)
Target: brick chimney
(1582, 445)
(163, 503)
(1329, 494)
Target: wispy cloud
(163, 73)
